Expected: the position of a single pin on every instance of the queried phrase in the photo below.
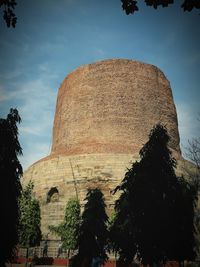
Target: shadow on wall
(53, 195)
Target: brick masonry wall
(104, 114)
(110, 106)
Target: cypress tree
(93, 231)
(29, 223)
(152, 208)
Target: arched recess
(53, 195)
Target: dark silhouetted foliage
(8, 7)
(155, 212)
(187, 247)
(11, 171)
(44, 261)
(93, 231)
(130, 6)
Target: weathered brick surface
(110, 106)
(104, 114)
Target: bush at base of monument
(68, 231)
(29, 224)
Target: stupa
(104, 114)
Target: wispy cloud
(11, 75)
(37, 113)
(36, 56)
(35, 100)
(34, 153)
(6, 94)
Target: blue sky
(52, 38)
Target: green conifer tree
(29, 224)
(93, 231)
(68, 230)
(151, 221)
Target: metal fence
(51, 251)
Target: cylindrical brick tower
(104, 114)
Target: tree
(130, 6)
(110, 224)
(93, 230)
(155, 211)
(186, 245)
(8, 7)
(29, 224)
(11, 171)
(121, 231)
(69, 229)
(193, 154)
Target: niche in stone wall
(53, 195)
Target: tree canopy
(155, 212)
(131, 6)
(93, 231)
(9, 16)
(69, 229)
(29, 226)
(11, 171)
(193, 154)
